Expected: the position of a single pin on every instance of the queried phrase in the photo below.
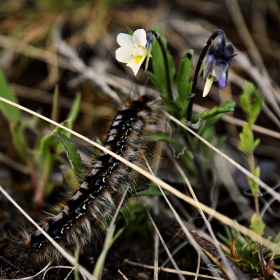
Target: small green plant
(47, 149)
(245, 252)
(251, 103)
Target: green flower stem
(257, 209)
(255, 194)
(165, 62)
(251, 161)
(218, 32)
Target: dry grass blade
(166, 248)
(46, 268)
(172, 270)
(156, 244)
(124, 277)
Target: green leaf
(130, 32)
(160, 136)
(72, 153)
(255, 109)
(50, 145)
(193, 125)
(159, 66)
(153, 191)
(172, 106)
(156, 81)
(257, 143)
(254, 185)
(70, 120)
(183, 83)
(257, 224)
(19, 140)
(246, 143)
(245, 102)
(101, 259)
(251, 102)
(55, 104)
(74, 109)
(277, 238)
(76, 265)
(165, 137)
(248, 88)
(13, 115)
(10, 112)
(221, 109)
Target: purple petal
(220, 68)
(209, 61)
(223, 81)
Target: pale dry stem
(171, 270)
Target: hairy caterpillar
(83, 217)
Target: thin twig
(166, 248)
(124, 277)
(156, 244)
(170, 270)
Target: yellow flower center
(139, 53)
(137, 58)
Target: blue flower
(217, 62)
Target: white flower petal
(125, 40)
(124, 54)
(207, 87)
(135, 66)
(140, 37)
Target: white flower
(132, 51)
